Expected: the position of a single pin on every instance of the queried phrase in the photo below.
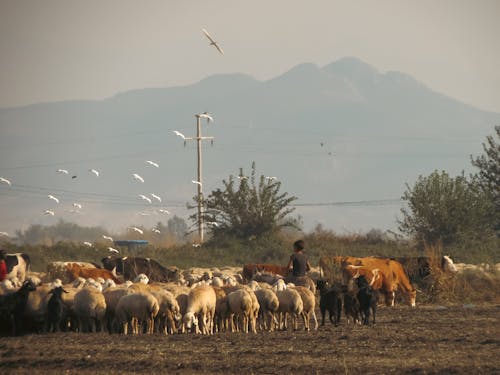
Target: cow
(249, 270)
(18, 265)
(75, 271)
(389, 276)
(131, 267)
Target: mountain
(340, 133)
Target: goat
(56, 309)
(12, 306)
(367, 298)
(330, 299)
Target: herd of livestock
(139, 295)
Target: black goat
(330, 299)
(351, 307)
(367, 298)
(56, 309)
(12, 306)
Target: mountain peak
(352, 68)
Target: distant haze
(344, 138)
(56, 50)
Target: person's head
(3, 254)
(298, 245)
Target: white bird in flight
(49, 212)
(145, 198)
(53, 198)
(207, 116)
(196, 182)
(4, 234)
(197, 245)
(138, 178)
(5, 181)
(163, 211)
(214, 223)
(157, 231)
(270, 178)
(138, 230)
(113, 250)
(94, 171)
(156, 197)
(107, 237)
(213, 42)
(62, 171)
(77, 205)
(150, 162)
(179, 134)
(86, 243)
(144, 214)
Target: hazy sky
(62, 49)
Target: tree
(247, 207)
(446, 209)
(177, 227)
(489, 174)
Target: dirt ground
(428, 339)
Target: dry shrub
(438, 286)
(475, 285)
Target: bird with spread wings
(213, 42)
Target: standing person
(298, 263)
(3, 265)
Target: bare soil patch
(425, 340)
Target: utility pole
(199, 181)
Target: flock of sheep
(210, 304)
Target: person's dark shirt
(299, 264)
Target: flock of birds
(76, 206)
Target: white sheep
(169, 312)
(112, 295)
(200, 306)
(240, 309)
(291, 303)
(269, 304)
(309, 304)
(141, 278)
(279, 285)
(90, 309)
(134, 308)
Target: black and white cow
(18, 265)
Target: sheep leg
(315, 320)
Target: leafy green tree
(489, 174)
(247, 207)
(446, 209)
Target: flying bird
(4, 234)
(157, 231)
(270, 178)
(179, 134)
(74, 176)
(145, 198)
(162, 211)
(144, 214)
(5, 181)
(153, 163)
(86, 243)
(213, 42)
(107, 237)
(138, 178)
(77, 205)
(197, 245)
(156, 197)
(62, 171)
(113, 250)
(138, 230)
(196, 182)
(207, 116)
(49, 212)
(53, 198)
(214, 223)
(94, 171)
(243, 177)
